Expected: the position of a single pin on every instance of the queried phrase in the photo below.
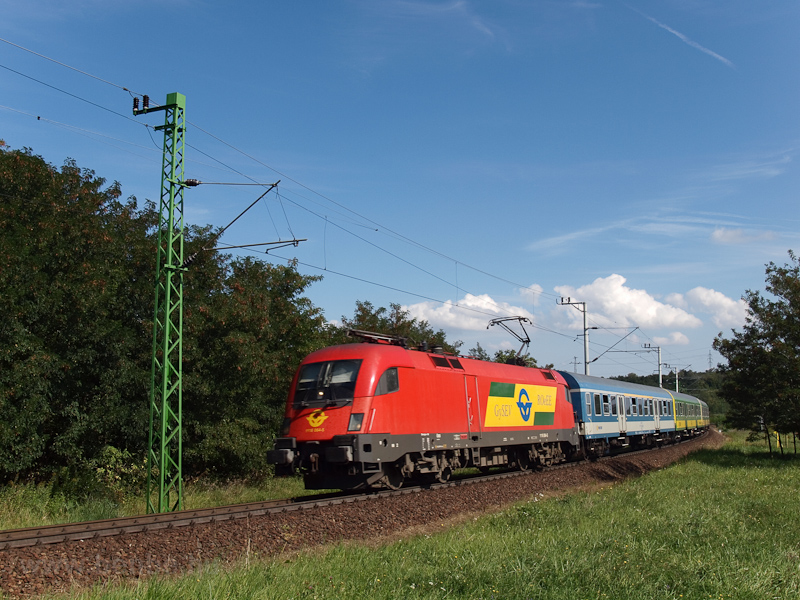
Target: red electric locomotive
(379, 413)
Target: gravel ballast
(35, 570)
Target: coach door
(658, 404)
(623, 425)
(473, 407)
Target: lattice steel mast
(166, 388)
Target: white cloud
(723, 235)
(724, 311)
(677, 300)
(611, 303)
(471, 313)
(531, 294)
(676, 338)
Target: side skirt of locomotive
(382, 460)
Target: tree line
(77, 269)
(77, 266)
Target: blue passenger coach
(613, 413)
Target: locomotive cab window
(388, 382)
(331, 383)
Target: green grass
(722, 524)
(29, 505)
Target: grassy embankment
(720, 524)
(34, 505)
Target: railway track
(55, 534)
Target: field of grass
(722, 524)
(31, 505)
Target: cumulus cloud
(612, 303)
(470, 313)
(724, 311)
(531, 294)
(676, 338)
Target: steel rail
(55, 534)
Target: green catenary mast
(166, 388)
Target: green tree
(762, 375)
(77, 277)
(395, 321)
(75, 270)
(245, 336)
(479, 352)
(509, 357)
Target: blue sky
(468, 160)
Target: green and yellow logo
(517, 405)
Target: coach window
(628, 405)
(597, 410)
(614, 406)
(588, 403)
(388, 382)
(605, 405)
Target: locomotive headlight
(355, 422)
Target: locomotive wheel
(392, 477)
(443, 476)
(523, 460)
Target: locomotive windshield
(322, 384)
